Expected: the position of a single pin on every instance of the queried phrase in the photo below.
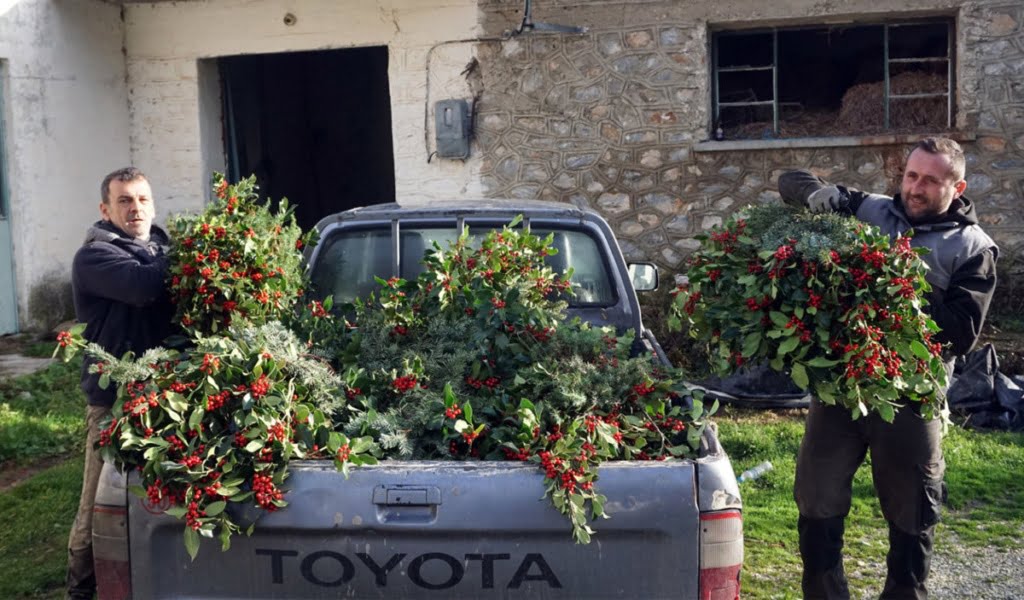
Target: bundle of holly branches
(825, 298)
(474, 360)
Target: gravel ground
(973, 574)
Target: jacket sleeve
(104, 270)
(796, 187)
(960, 310)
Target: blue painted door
(8, 299)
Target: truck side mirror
(644, 276)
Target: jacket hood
(105, 231)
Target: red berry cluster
(665, 423)
(181, 387)
(266, 492)
(643, 389)
(215, 401)
(277, 432)
(192, 516)
(191, 460)
(784, 252)
(521, 454)
(210, 364)
(260, 387)
(140, 405)
(65, 339)
(557, 469)
(404, 383)
(490, 383)
(541, 334)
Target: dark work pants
(907, 468)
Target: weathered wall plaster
(66, 123)
(171, 105)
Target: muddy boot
(909, 560)
(821, 548)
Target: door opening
(314, 127)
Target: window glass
(349, 261)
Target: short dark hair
(124, 174)
(948, 148)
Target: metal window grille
(773, 68)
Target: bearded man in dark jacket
(119, 291)
(907, 465)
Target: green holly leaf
(788, 345)
(191, 542)
(215, 508)
(821, 362)
(920, 350)
(799, 376)
(751, 343)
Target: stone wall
(617, 119)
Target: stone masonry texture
(613, 118)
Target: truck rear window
(350, 258)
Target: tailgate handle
(406, 495)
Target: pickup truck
(407, 529)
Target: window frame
(888, 96)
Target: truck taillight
(721, 554)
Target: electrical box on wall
(452, 128)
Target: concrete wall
(66, 122)
(173, 96)
(618, 118)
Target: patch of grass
(39, 349)
(41, 414)
(986, 491)
(985, 496)
(37, 517)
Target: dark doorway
(314, 127)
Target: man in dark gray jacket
(120, 294)
(906, 455)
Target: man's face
(129, 206)
(928, 185)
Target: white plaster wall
(170, 97)
(66, 125)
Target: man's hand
(827, 199)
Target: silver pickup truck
(452, 529)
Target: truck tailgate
(437, 530)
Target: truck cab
(389, 240)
